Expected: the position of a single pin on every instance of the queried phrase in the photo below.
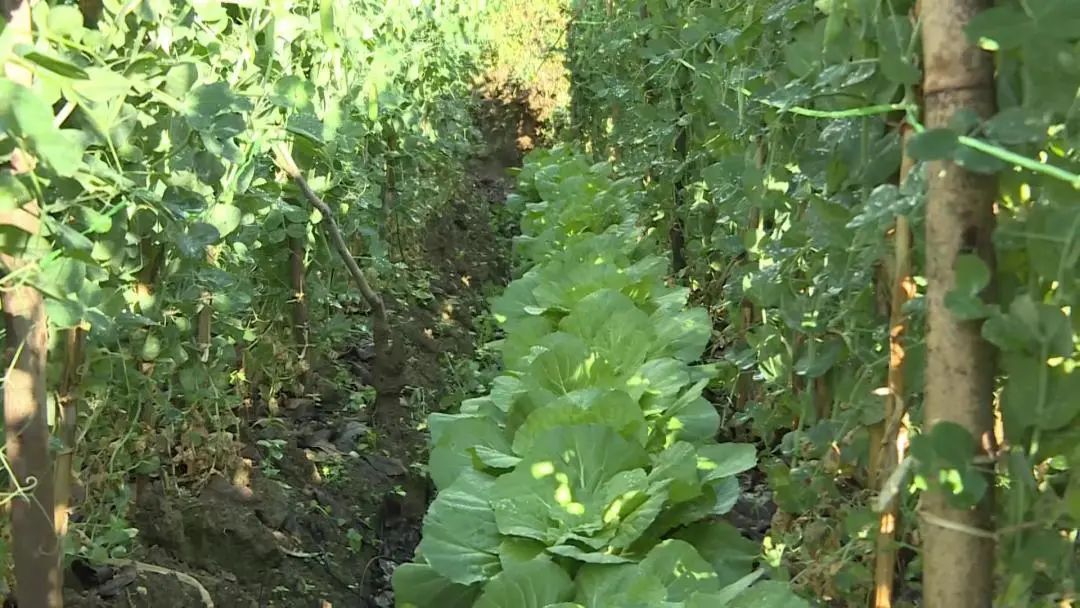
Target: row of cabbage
(590, 474)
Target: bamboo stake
(893, 435)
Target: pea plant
(158, 258)
(822, 193)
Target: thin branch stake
(388, 353)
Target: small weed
(275, 451)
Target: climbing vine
(769, 136)
(187, 281)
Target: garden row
(590, 474)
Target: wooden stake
(36, 552)
(958, 544)
(67, 421)
(300, 312)
(153, 255)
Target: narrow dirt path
(326, 508)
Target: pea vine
(182, 272)
(770, 137)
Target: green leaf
(678, 464)
(65, 21)
(1052, 244)
(953, 443)
(62, 277)
(56, 65)
(683, 335)
(13, 194)
(933, 144)
(733, 590)
(978, 162)
(588, 557)
(204, 102)
(494, 458)
(225, 218)
(534, 584)
(25, 114)
(1063, 400)
(419, 586)
(565, 365)
(612, 325)
(103, 85)
(71, 239)
(294, 93)
(64, 313)
(453, 437)
(559, 486)
(971, 274)
(725, 459)
(62, 150)
(681, 569)
(626, 586)
(1018, 126)
(971, 277)
(460, 539)
(1007, 26)
(611, 408)
(819, 357)
(514, 549)
(660, 379)
(97, 222)
(180, 79)
(210, 10)
(635, 512)
(731, 555)
(727, 491)
(195, 238)
(767, 594)
(690, 418)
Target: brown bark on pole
(153, 255)
(675, 233)
(747, 311)
(36, 551)
(300, 314)
(204, 330)
(389, 192)
(26, 411)
(91, 10)
(67, 422)
(958, 548)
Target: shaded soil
(324, 507)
